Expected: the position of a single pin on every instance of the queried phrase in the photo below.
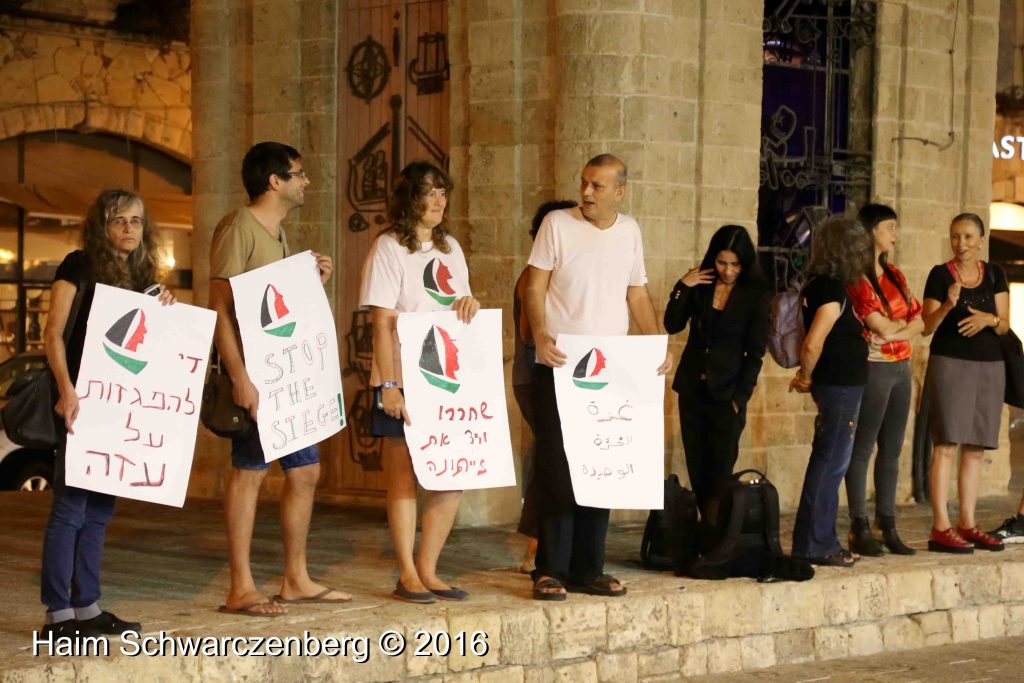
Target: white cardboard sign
(291, 353)
(139, 389)
(611, 404)
(453, 379)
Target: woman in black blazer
(726, 303)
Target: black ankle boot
(892, 539)
(861, 540)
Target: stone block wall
(58, 76)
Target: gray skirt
(964, 399)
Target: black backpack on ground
(671, 535)
(739, 535)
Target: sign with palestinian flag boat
(611, 404)
(139, 387)
(452, 376)
(291, 354)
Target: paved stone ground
(167, 568)
(990, 661)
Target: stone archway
(169, 131)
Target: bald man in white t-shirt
(586, 276)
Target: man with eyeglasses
(244, 240)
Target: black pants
(711, 436)
(528, 520)
(571, 537)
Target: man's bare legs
(418, 573)
(239, 515)
(296, 512)
(938, 484)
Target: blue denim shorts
(247, 454)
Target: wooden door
(394, 92)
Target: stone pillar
(933, 131)
(494, 163)
(261, 71)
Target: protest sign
(611, 404)
(455, 394)
(139, 388)
(291, 354)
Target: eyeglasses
(298, 174)
(121, 221)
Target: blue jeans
(73, 549)
(814, 534)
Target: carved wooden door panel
(394, 92)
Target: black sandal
(840, 558)
(542, 589)
(601, 586)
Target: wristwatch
(388, 385)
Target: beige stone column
(933, 131)
(262, 70)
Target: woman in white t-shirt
(414, 265)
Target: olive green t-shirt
(241, 244)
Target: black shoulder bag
(219, 412)
(29, 418)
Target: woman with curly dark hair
(892, 318)
(414, 265)
(725, 302)
(120, 251)
(834, 369)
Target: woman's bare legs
(439, 510)
(967, 482)
(402, 512)
(938, 483)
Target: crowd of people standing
(585, 275)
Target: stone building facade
(539, 86)
(63, 68)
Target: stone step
(665, 628)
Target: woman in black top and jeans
(726, 303)
(120, 251)
(834, 369)
(967, 306)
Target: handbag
(219, 412)
(29, 418)
(1013, 358)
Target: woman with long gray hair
(833, 368)
(120, 251)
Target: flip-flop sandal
(419, 598)
(452, 593)
(539, 592)
(247, 610)
(317, 599)
(601, 586)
